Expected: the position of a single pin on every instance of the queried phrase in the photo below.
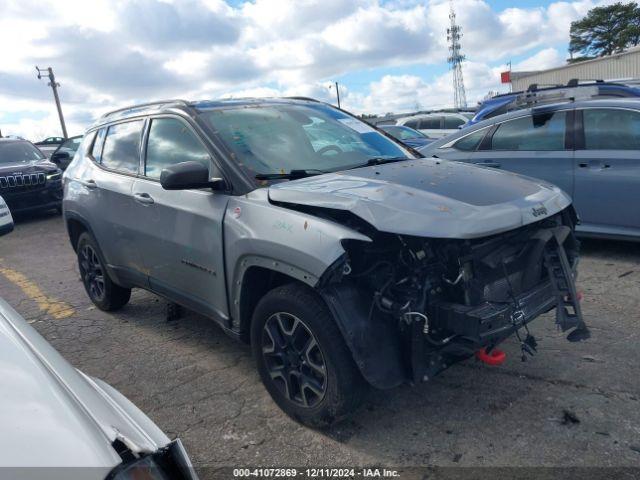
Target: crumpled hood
(54, 416)
(429, 197)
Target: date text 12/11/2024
(311, 473)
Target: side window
(453, 122)
(431, 123)
(470, 142)
(96, 150)
(170, 142)
(611, 129)
(538, 132)
(415, 124)
(122, 147)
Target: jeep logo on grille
(539, 211)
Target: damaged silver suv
(338, 253)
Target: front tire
(104, 294)
(302, 358)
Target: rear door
(607, 160)
(180, 231)
(538, 145)
(117, 151)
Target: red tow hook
(495, 357)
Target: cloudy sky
(386, 55)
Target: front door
(607, 166)
(180, 231)
(534, 145)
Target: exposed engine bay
(439, 301)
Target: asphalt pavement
(570, 405)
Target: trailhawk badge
(538, 211)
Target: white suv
(436, 125)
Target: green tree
(605, 30)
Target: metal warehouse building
(621, 66)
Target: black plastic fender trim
(374, 342)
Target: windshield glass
(70, 146)
(278, 138)
(19, 152)
(403, 133)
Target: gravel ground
(200, 385)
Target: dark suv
(28, 181)
(343, 257)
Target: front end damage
(410, 307)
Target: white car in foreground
(58, 422)
(6, 220)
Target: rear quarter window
(471, 142)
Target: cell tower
(454, 33)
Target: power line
(54, 86)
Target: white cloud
(108, 53)
(547, 58)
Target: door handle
(594, 164)
(143, 198)
(89, 183)
(489, 164)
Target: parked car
(64, 153)
(590, 149)
(56, 417)
(49, 144)
(51, 141)
(337, 253)
(406, 135)
(28, 181)
(436, 125)
(575, 90)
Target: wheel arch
(76, 225)
(257, 277)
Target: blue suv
(590, 149)
(534, 96)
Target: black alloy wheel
(92, 273)
(294, 360)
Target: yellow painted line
(56, 308)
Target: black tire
(104, 294)
(298, 309)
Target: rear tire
(302, 358)
(104, 294)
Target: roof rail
(534, 98)
(142, 105)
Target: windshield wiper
(380, 160)
(291, 175)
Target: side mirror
(59, 157)
(6, 220)
(185, 175)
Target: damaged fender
(296, 244)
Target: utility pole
(54, 86)
(337, 91)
